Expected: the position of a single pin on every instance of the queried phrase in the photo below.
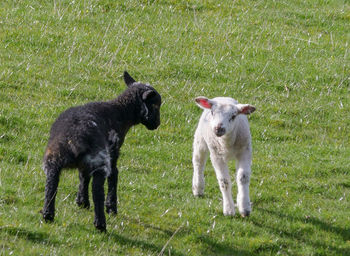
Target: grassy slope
(289, 58)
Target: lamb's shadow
(168, 232)
(343, 232)
(345, 184)
(34, 237)
(122, 240)
(210, 247)
(215, 248)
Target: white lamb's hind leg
(243, 179)
(223, 177)
(199, 158)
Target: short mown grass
(290, 59)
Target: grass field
(290, 59)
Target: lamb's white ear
(204, 102)
(245, 109)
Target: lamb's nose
(219, 130)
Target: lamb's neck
(124, 114)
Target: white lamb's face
(223, 112)
(223, 116)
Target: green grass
(290, 59)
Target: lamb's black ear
(148, 94)
(128, 79)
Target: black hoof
(101, 227)
(111, 210)
(83, 203)
(48, 217)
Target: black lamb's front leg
(83, 192)
(52, 179)
(111, 202)
(99, 198)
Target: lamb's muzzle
(219, 130)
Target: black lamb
(89, 138)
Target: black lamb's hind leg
(82, 199)
(111, 202)
(98, 197)
(52, 179)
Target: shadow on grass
(122, 240)
(32, 236)
(343, 232)
(345, 184)
(215, 248)
(149, 226)
(210, 246)
(154, 248)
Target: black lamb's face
(150, 102)
(150, 113)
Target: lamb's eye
(233, 118)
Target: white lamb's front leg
(243, 178)
(224, 179)
(199, 158)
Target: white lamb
(223, 130)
